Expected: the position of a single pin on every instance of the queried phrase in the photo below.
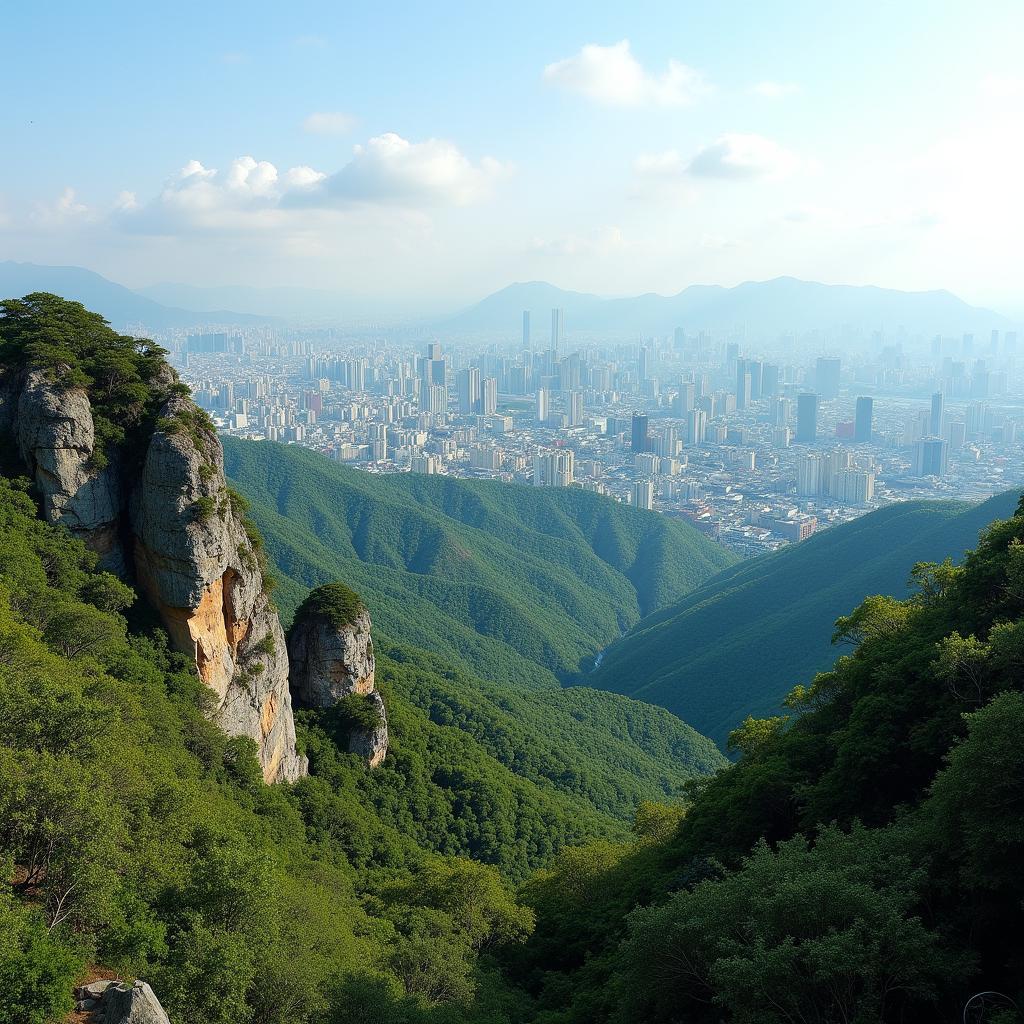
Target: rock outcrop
(57, 442)
(176, 533)
(331, 656)
(199, 568)
(115, 1002)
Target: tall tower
(862, 420)
(639, 432)
(935, 420)
(557, 327)
(806, 418)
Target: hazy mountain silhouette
(120, 305)
(782, 304)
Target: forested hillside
(736, 645)
(142, 839)
(861, 862)
(516, 583)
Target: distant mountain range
(120, 305)
(782, 304)
(738, 644)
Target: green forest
(736, 645)
(526, 854)
(517, 584)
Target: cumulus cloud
(66, 209)
(251, 194)
(333, 122)
(743, 157)
(613, 76)
(390, 169)
(770, 90)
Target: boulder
(132, 1004)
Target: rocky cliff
(331, 656)
(172, 528)
(57, 441)
(199, 567)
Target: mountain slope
(783, 303)
(518, 584)
(737, 645)
(118, 304)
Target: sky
(424, 155)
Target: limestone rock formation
(371, 743)
(56, 439)
(199, 567)
(331, 657)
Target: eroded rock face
(372, 744)
(331, 656)
(196, 565)
(56, 439)
(132, 1004)
(330, 660)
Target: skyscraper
(935, 420)
(639, 434)
(488, 396)
(643, 494)
(469, 390)
(806, 418)
(542, 405)
(526, 330)
(742, 384)
(557, 327)
(574, 407)
(930, 456)
(826, 377)
(645, 362)
(862, 420)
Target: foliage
(515, 584)
(759, 627)
(338, 604)
(78, 349)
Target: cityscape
(758, 444)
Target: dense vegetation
(338, 604)
(517, 584)
(77, 348)
(140, 839)
(735, 646)
(861, 862)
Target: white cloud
(62, 211)
(613, 76)
(333, 122)
(392, 170)
(770, 90)
(743, 157)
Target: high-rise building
(543, 405)
(683, 401)
(643, 494)
(806, 418)
(574, 407)
(557, 328)
(434, 399)
(553, 468)
(769, 380)
(645, 363)
(957, 434)
(808, 475)
(488, 396)
(862, 420)
(742, 384)
(935, 420)
(826, 377)
(639, 432)
(527, 346)
(930, 456)
(696, 426)
(469, 390)
(755, 368)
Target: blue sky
(427, 154)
